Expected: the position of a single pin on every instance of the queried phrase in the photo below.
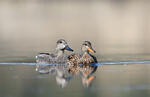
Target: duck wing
(87, 59)
(45, 53)
(73, 63)
(45, 58)
(42, 60)
(73, 59)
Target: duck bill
(91, 50)
(68, 48)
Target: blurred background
(118, 29)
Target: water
(111, 80)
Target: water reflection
(64, 76)
(87, 75)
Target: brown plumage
(73, 63)
(82, 62)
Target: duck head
(87, 47)
(62, 45)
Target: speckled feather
(73, 63)
(76, 63)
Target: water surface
(111, 80)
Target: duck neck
(60, 53)
(86, 52)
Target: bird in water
(49, 58)
(83, 63)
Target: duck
(83, 63)
(50, 58)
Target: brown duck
(82, 62)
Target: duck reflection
(61, 73)
(62, 78)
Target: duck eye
(85, 44)
(60, 42)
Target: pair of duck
(75, 62)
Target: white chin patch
(60, 46)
